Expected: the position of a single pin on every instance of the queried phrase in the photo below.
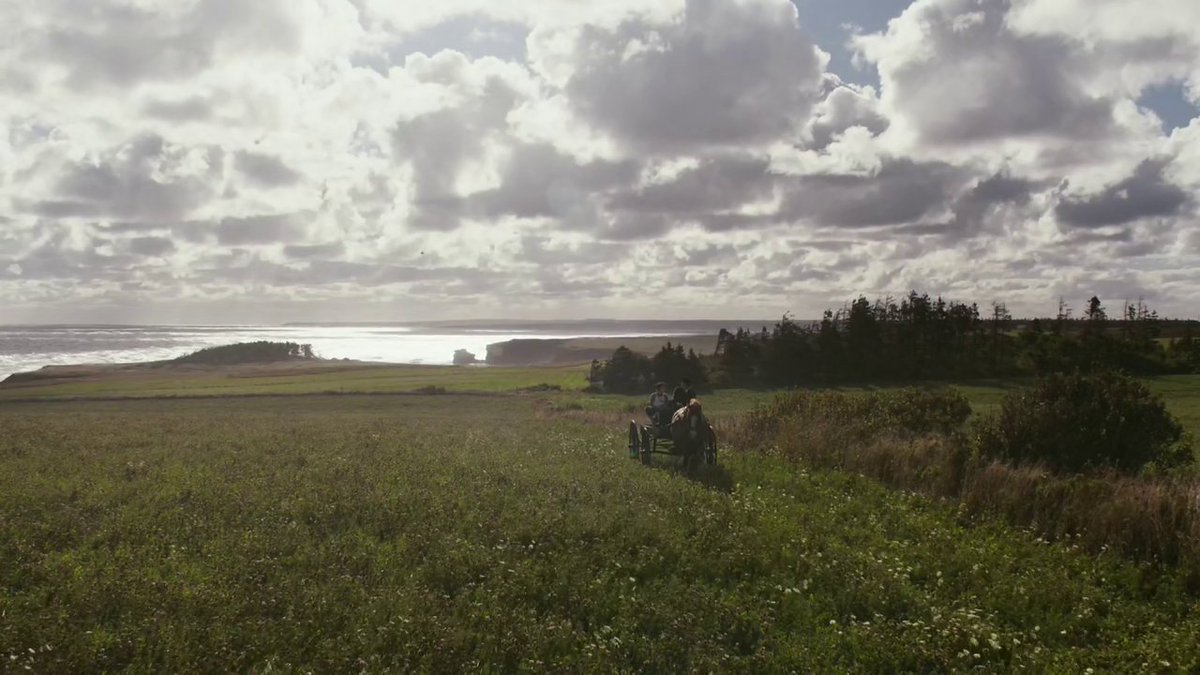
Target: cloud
(264, 170)
(307, 251)
(955, 71)
(717, 183)
(540, 181)
(720, 72)
(259, 230)
(106, 43)
(901, 191)
(980, 209)
(191, 109)
(1131, 49)
(151, 246)
(844, 107)
(1145, 194)
(440, 144)
(470, 157)
(541, 250)
(146, 178)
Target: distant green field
(468, 533)
(1181, 393)
(373, 379)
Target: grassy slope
(338, 533)
(249, 381)
(1182, 392)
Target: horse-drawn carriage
(685, 434)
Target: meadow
(510, 532)
(296, 379)
(1181, 392)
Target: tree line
(262, 351)
(630, 372)
(919, 337)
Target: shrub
(1078, 422)
(563, 406)
(543, 386)
(719, 379)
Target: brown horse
(689, 429)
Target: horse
(690, 431)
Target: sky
(211, 161)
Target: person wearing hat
(660, 408)
(683, 394)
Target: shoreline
(513, 353)
(527, 352)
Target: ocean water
(24, 348)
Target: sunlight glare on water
(30, 348)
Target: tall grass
(1147, 518)
(468, 534)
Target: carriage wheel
(710, 448)
(648, 443)
(634, 441)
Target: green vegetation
(1079, 422)
(247, 352)
(301, 378)
(864, 415)
(482, 532)
(923, 339)
(630, 372)
(913, 439)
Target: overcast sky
(230, 161)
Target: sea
(25, 348)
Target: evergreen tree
(627, 372)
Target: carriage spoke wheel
(647, 445)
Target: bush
(719, 379)
(1077, 422)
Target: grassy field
(1180, 392)
(328, 378)
(336, 533)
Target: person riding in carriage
(660, 409)
(684, 394)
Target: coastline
(527, 352)
(513, 353)
(29, 349)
